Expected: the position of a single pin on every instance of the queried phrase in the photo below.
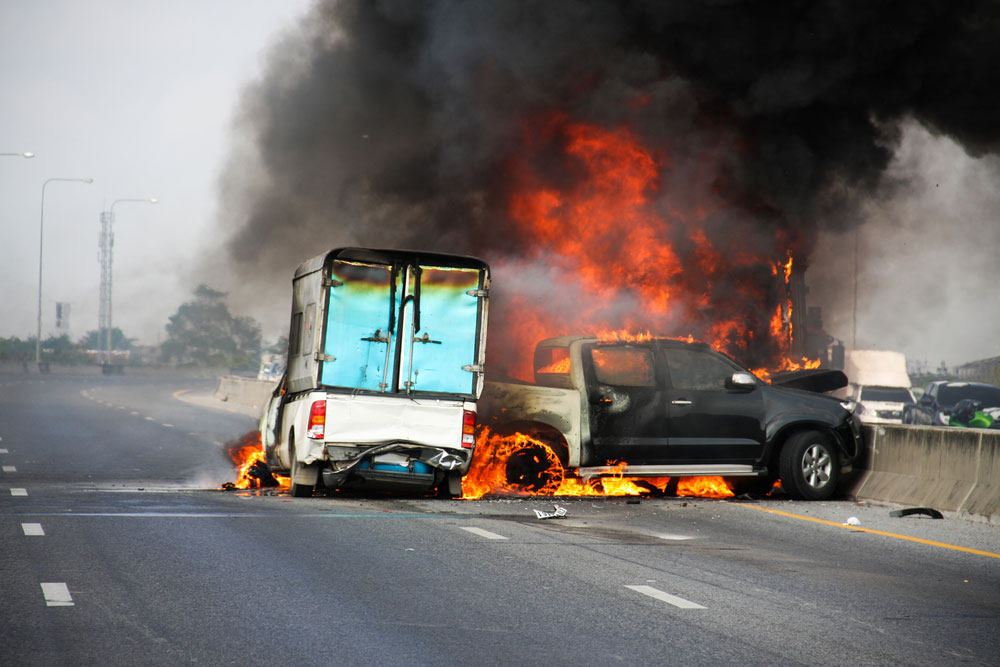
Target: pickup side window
(698, 369)
(624, 366)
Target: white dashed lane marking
(33, 529)
(665, 597)
(18, 492)
(10, 468)
(483, 533)
(57, 594)
(4, 451)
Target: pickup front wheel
(809, 466)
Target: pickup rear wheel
(809, 466)
(300, 488)
(535, 469)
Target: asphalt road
(119, 549)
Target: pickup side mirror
(741, 382)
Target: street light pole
(107, 243)
(41, 237)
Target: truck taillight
(317, 420)
(468, 429)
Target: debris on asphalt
(853, 521)
(557, 513)
(911, 511)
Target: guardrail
(954, 470)
(247, 392)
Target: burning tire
(535, 469)
(809, 466)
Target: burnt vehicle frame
(719, 419)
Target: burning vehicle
(385, 365)
(651, 408)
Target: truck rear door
(404, 328)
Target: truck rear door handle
(680, 401)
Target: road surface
(118, 548)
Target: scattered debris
(910, 511)
(853, 521)
(558, 513)
(632, 501)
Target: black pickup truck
(670, 408)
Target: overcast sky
(139, 95)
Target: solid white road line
(483, 533)
(32, 529)
(18, 492)
(10, 468)
(676, 538)
(57, 594)
(665, 597)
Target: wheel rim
(817, 465)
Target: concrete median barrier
(953, 470)
(247, 392)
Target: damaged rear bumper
(398, 462)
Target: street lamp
(107, 242)
(18, 154)
(41, 236)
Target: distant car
(878, 404)
(940, 398)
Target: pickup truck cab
(385, 366)
(670, 408)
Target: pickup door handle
(680, 401)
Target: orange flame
(247, 454)
(499, 459)
(628, 247)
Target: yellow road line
(897, 536)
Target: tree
(204, 333)
(99, 341)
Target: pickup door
(627, 404)
(709, 423)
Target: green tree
(15, 349)
(203, 332)
(99, 341)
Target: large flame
(518, 464)
(599, 208)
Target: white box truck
(385, 366)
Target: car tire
(298, 488)
(809, 466)
(532, 470)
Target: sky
(141, 97)
(138, 95)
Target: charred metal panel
(504, 403)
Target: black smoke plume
(393, 123)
